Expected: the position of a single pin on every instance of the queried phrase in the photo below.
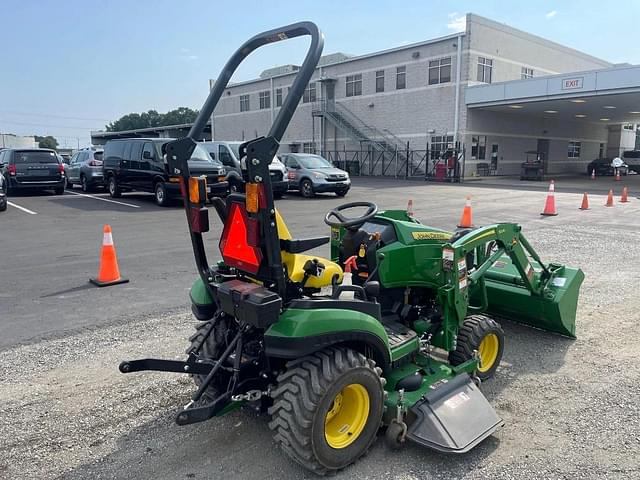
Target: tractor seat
(294, 261)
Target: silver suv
(311, 174)
(85, 169)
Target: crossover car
(311, 174)
(139, 164)
(85, 169)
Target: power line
(12, 112)
(48, 126)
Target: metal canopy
(603, 96)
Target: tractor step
(398, 333)
(454, 417)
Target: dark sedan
(604, 166)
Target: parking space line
(104, 199)
(22, 208)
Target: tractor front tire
(484, 335)
(327, 409)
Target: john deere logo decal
(431, 235)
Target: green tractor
(394, 332)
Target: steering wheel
(346, 222)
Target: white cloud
(551, 14)
(453, 14)
(192, 57)
(457, 23)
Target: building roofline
(104, 133)
(488, 22)
(359, 57)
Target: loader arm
(495, 269)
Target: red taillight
(12, 170)
(95, 163)
(61, 168)
(291, 175)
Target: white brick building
(441, 92)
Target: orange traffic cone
(466, 221)
(550, 204)
(593, 174)
(624, 197)
(108, 273)
(618, 175)
(410, 208)
(609, 199)
(585, 202)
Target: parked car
(138, 164)
(85, 168)
(604, 166)
(32, 168)
(228, 153)
(3, 194)
(311, 174)
(632, 159)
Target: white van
(228, 153)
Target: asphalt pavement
(571, 407)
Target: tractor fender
(202, 305)
(301, 332)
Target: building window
(244, 103)
(401, 78)
(485, 66)
(379, 81)
(308, 147)
(309, 93)
(440, 71)
(354, 85)
(439, 145)
(601, 151)
(526, 73)
(574, 150)
(265, 100)
(479, 147)
(278, 97)
(628, 126)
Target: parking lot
(571, 408)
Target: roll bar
(259, 152)
(297, 89)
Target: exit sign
(572, 83)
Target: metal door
(543, 152)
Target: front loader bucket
(554, 310)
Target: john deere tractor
(401, 348)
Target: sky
(71, 66)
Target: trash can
(441, 172)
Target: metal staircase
(385, 143)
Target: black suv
(138, 164)
(32, 168)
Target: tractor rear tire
(327, 409)
(213, 347)
(484, 335)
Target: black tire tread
(470, 335)
(300, 390)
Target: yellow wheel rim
(488, 352)
(347, 416)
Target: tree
(47, 142)
(152, 118)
